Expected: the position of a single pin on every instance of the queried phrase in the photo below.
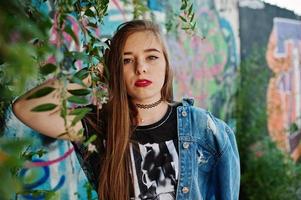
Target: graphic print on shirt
(155, 170)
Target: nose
(141, 67)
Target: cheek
(126, 73)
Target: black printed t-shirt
(154, 158)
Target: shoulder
(208, 130)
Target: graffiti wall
(277, 32)
(284, 91)
(57, 170)
(204, 65)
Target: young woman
(148, 147)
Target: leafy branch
(183, 19)
(87, 15)
(187, 16)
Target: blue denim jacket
(208, 157)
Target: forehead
(142, 40)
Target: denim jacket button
(185, 189)
(186, 145)
(184, 113)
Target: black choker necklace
(148, 106)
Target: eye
(127, 61)
(152, 57)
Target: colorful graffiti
(206, 68)
(30, 186)
(284, 90)
(57, 170)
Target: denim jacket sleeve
(209, 161)
(226, 171)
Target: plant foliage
(267, 172)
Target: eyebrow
(146, 50)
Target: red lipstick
(142, 83)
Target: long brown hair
(114, 178)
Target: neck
(152, 114)
(148, 106)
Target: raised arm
(48, 123)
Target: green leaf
(94, 25)
(94, 77)
(192, 17)
(293, 128)
(75, 79)
(182, 18)
(47, 194)
(89, 13)
(48, 68)
(44, 107)
(63, 113)
(82, 74)
(80, 110)
(77, 119)
(59, 55)
(91, 139)
(28, 155)
(80, 133)
(78, 100)
(80, 114)
(190, 9)
(184, 5)
(41, 152)
(79, 92)
(14, 146)
(68, 30)
(193, 26)
(41, 92)
(62, 17)
(80, 56)
(94, 51)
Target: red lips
(142, 83)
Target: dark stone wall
(256, 25)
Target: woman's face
(143, 67)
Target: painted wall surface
(284, 91)
(59, 169)
(263, 26)
(204, 69)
